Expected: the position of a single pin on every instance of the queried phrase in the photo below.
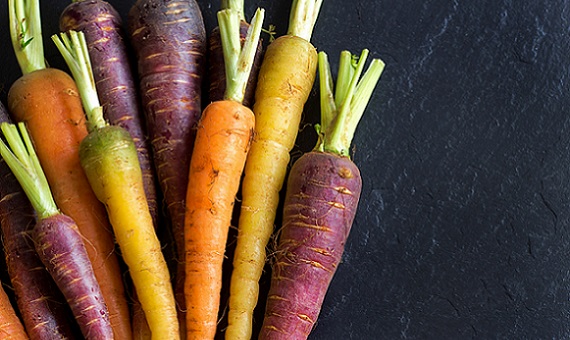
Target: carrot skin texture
(281, 93)
(320, 204)
(11, 327)
(224, 134)
(114, 79)
(48, 101)
(109, 158)
(169, 40)
(216, 68)
(38, 299)
(60, 247)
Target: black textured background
(463, 228)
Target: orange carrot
(222, 142)
(48, 101)
(10, 325)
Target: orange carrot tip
(109, 157)
(56, 237)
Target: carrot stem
(353, 93)
(26, 34)
(21, 157)
(236, 5)
(238, 60)
(73, 48)
(303, 17)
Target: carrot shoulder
(222, 142)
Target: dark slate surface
(463, 228)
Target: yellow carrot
(109, 157)
(284, 83)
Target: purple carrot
(169, 40)
(39, 301)
(320, 205)
(112, 70)
(216, 65)
(56, 238)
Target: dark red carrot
(170, 43)
(57, 239)
(320, 205)
(39, 301)
(216, 66)
(112, 70)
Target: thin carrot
(56, 237)
(39, 301)
(10, 325)
(284, 83)
(222, 142)
(109, 157)
(48, 101)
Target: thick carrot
(284, 83)
(169, 40)
(48, 101)
(320, 205)
(57, 239)
(39, 301)
(216, 67)
(11, 327)
(108, 156)
(222, 142)
(112, 71)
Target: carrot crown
(236, 5)
(73, 48)
(238, 60)
(23, 161)
(26, 34)
(303, 17)
(341, 111)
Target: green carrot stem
(238, 60)
(355, 94)
(236, 5)
(73, 48)
(26, 34)
(327, 100)
(21, 157)
(346, 69)
(303, 17)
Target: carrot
(108, 156)
(47, 100)
(169, 40)
(10, 325)
(321, 201)
(216, 68)
(57, 239)
(113, 77)
(39, 301)
(284, 83)
(222, 142)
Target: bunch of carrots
(126, 182)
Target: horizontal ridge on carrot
(108, 156)
(320, 204)
(284, 84)
(43, 309)
(222, 142)
(56, 237)
(47, 100)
